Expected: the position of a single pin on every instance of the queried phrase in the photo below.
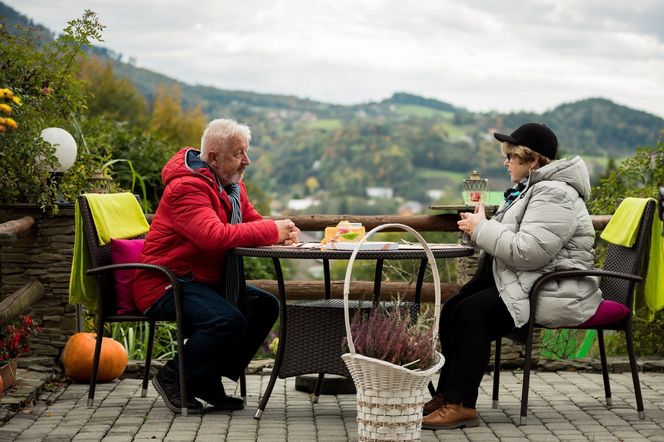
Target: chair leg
(635, 372)
(318, 387)
(148, 358)
(243, 387)
(496, 373)
(184, 412)
(432, 389)
(526, 376)
(605, 369)
(95, 363)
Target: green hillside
(407, 142)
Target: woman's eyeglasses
(509, 157)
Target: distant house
(410, 208)
(302, 203)
(435, 194)
(380, 192)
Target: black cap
(536, 136)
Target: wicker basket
(389, 397)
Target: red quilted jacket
(191, 230)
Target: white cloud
(479, 54)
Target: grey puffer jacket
(547, 228)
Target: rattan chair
(103, 269)
(623, 268)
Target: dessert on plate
(344, 232)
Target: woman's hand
(469, 221)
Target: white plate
(369, 245)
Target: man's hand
(288, 231)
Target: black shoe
(166, 384)
(218, 398)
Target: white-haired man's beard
(234, 178)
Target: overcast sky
(483, 55)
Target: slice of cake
(344, 232)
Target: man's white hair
(219, 131)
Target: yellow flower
(9, 122)
(16, 100)
(5, 108)
(7, 93)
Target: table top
(312, 251)
(460, 207)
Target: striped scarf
(513, 193)
(233, 262)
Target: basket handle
(349, 271)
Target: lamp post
(65, 147)
(65, 152)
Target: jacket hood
(186, 162)
(572, 172)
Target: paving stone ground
(564, 406)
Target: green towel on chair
(622, 230)
(116, 215)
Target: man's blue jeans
(221, 340)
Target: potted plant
(391, 358)
(14, 341)
(391, 333)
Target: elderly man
(203, 213)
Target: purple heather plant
(387, 332)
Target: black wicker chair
(103, 269)
(623, 268)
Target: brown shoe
(451, 416)
(434, 404)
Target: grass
(456, 177)
(325, 124)
(422, 112)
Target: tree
(110, 96)
(181, 127)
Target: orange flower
(5, 108)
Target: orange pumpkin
(79, 352)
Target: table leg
(278, 360)
(328, 282)
(328, 294)
(418, 289)
(378, 277)
(318, 387)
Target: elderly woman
(542, 225)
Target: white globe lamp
(65, 147)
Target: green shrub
(638, 176)
(42, 76)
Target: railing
(302, 290)
(305, 290)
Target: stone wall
(43, 253)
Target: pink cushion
(608, 312)
(125, 251)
